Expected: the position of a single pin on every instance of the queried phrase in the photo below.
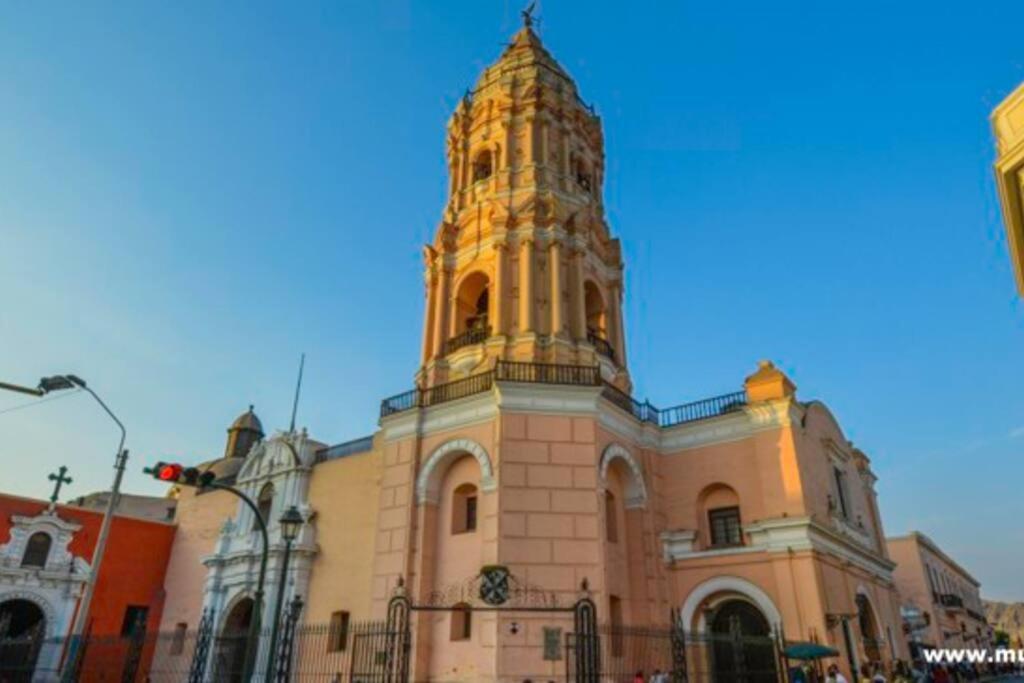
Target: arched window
(720, 506)
(265, 504)
(464, 509)
(483, 166)
(37, 550)
(461, 622)
(611, 518)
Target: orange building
(44, 561)
(519, 490)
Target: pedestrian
(879, 675)
(835, 675)
(639, 677)
(865, 673)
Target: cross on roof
(60, 479)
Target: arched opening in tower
(472, 304)
(483, 165)
(593, 303)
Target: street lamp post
(291, 521)
(58, 383)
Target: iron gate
(381, 655)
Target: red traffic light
(176, 473)
(168, 472)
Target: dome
(243, 434)
(248, 420)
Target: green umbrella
(809, 651)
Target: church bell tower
(523, 266)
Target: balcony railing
(504, 371)
(676, 415)
(950, 600)
(342, 449)
(977, 616)
(600, 344)
(472, 336)
(548, 373)
(569, 375)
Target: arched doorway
(233, 642)
(22, 629)
(868, 629)
(743, 649)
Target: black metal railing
(600, 344)
(472, 336)
(676, 415)
(504, 371)
(644, 412)
(977, 616)
(548, 373)
(950, 600)
(570, 375)
(703, 409)
(340, 450)
(451, 391)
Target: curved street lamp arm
(256, 624)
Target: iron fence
(675, 654)
(359, 653)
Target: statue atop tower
(523, 266)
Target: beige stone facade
(520, 447)
(941, 600)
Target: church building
(519, 479)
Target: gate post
(678, 636)
(197, 673)
(588, 644)
(284, 655)
(398, 645)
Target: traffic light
(175, 473)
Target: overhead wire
(39, 402)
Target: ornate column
(441, 306)
(428, 314)
(531, 140)
(618, 334)
(555, 261)
(526, 307)
(498, 291)
(576, 298)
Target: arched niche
(432, 471)
(635, 488)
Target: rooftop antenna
(298, 388)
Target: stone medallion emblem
(494, 585)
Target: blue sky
(194, 194)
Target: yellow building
(519, 515)
(1008, 125)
